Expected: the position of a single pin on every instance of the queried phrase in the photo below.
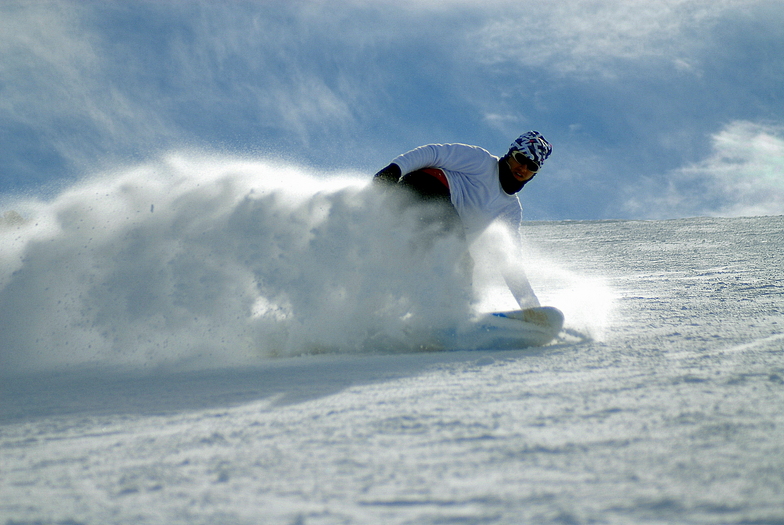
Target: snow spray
(204, 262)
(193, 262)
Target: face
(519, 171)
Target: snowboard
(509, 330)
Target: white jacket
(477, 195)
(474, 185)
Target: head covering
(533, 145)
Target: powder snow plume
(194, 261)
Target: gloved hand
(389, 175)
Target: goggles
(521, 159)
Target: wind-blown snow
(670, 412)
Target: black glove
(389, 175)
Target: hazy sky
(656, 109)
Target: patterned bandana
(533, 145)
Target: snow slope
(139, 381)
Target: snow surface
(193, 342)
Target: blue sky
(661, 109)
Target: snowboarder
(473, 188)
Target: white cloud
(91, 79)
(744, 176)
(53, 66)
(585, 36)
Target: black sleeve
(389, 175)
